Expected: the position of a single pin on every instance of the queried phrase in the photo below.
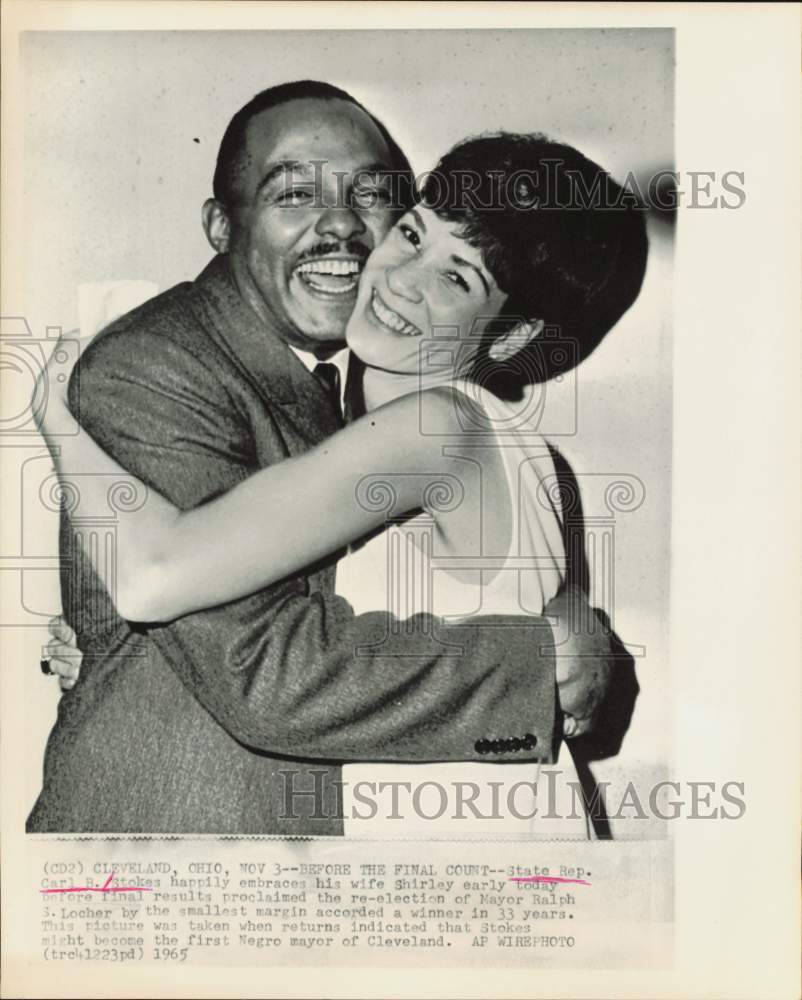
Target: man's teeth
(340, 267)
(334, 277)
(391, 318)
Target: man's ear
(507, 345)
(216, 225)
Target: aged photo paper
(513, 289)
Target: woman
(450, 303)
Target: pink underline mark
(548, 878)
(106, 887)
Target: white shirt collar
(340, 360)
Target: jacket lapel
(279, 377)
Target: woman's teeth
(388, 317)
(337, 277)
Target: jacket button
(495, 746)
(530, 741)
(516, 744)
(481, 746)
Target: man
(236, 720)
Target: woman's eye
(456, 279)
(409, 234)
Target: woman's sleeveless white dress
(395, 571)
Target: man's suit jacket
(186, 727)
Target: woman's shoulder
(457, 409)
(468, 409)
(456, 413)
(414, 429)
(430, 411)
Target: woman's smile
(390, 319)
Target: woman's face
(422, 287)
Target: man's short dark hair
(564, 241)
(231, 155)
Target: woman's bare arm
(274, 523)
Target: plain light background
(121, 135)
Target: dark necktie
(354, 402)
(329, 377)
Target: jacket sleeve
(289, 670)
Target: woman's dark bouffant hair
(564, 241)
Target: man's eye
(372, 197)
(294, 197)
(409, 234)
(455, 278)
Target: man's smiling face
(312, 203)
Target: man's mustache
(332, 248)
